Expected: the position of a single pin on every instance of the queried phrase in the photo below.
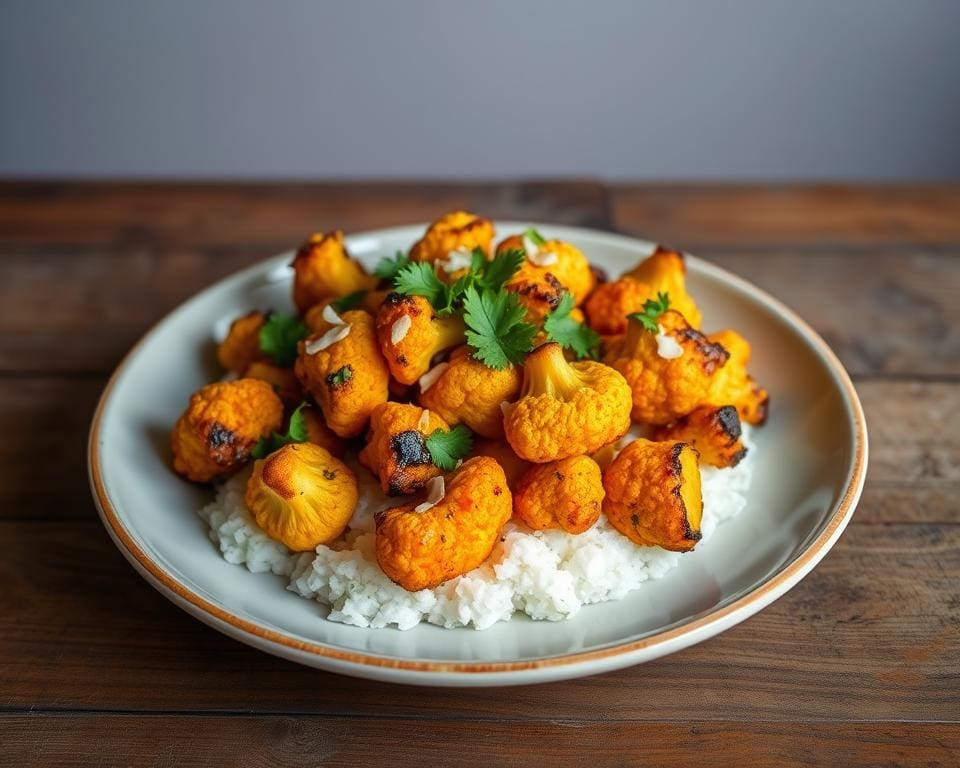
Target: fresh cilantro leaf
(496, 329)
(296, 433)
(477, 259)
(340, 376)
(348, 302)
(388, 268)
(567, 332)
(447, 448)
(494, 274)
(534, 236)
(652, 309)
(420, 279)
(456, 292)
(279, 336)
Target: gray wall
(374, 88)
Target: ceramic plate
(810, 464)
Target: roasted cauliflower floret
(563, 262)
(501, 452)
(665, 271)
(733, 385)
(565, 494)
(669, 373)
(467, 391)
(322, 269)
(220, 426)
(538, 297)
(608, 306)
(396, 450)
(302, 495)
(420, 546)
(653, 494)
(714, 432)
(241, 347)
(320, 434)
(565, 409)
(348, 378)
(449, 240)
(410, 334)
(283, 380)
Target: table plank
(872, 633)
(119, 740)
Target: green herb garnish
(447, 448)
(535, 237)
(340, 377)
(296, 433)
(652, 309)
(568, 333)
(348, 302)
(496, 329)
(388, 268)
(279, 337)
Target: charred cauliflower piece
(608, 306)
(396, 451)
(449, 240)
(669, 373)
(322, 269)
(538, 297)
(565, 409)
(714, 432)
(302, 496)
(653, 495)
(565, 494)
(555, 259)
(469, 392)
(220, 426)
(410, 334)
(283, 380)
(733, 385)
(665, 271)
(348, 378)
(241, 347)
(421, 545)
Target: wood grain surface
(859, 665)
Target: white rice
(545, 574)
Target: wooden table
(858, 665)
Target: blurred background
(619, 89)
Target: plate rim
(542, 669)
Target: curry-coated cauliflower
(421, 544)
(241, 347)
(665, 271)
(714, 432)
(608, 306)
(562, 261)
(565, 409)
(222, 423)
(411, 333)
(733, 385)
(283, 380)
(322, 269)
(449, 240)
(565, 494)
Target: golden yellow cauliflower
(410, 334)
(714, 431)
(220, 426)
(322, 269)
(669, 377)
(396, 450)
(665, 271)
(283, 380)
(608, 306)
(469, 392)
(320, 434)
(565, 494)
(456, 231)
(241, 347)
(565, 409)
(733, 385)
(555, 259)
(653, 494)
(348, 378)
(302, 496)
(500, 451)
(422, 549)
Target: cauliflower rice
(545, 574)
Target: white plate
(811, 463)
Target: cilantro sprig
(388, 268)
(569, 333)
(278, 338)
(348, 302)
(496, 329)
(652, 309)
(296, 433)
(535, 237)
(447, 448)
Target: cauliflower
(323, 270)
(733, 385)
(458, 231)
(666, 387)
(422, 545)
(653, 494)
(241, 347)
(396, 450)
(302, 496)
(665, 271)
(539, 297)
(348, 378)
(410, 334)
(320, 434)
(714, 432)
(556, 259)
(564, 494)
(565, 409)
(283, 380)
(608, 306)
(501, 452)
(468, 391)
(220, 426)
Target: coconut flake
(461, 258)
(536, 256)
(400, 328)
(667, 346)
(330, 315)
(335, 334)
(430, 377)
(435, 493)
(424, 420)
